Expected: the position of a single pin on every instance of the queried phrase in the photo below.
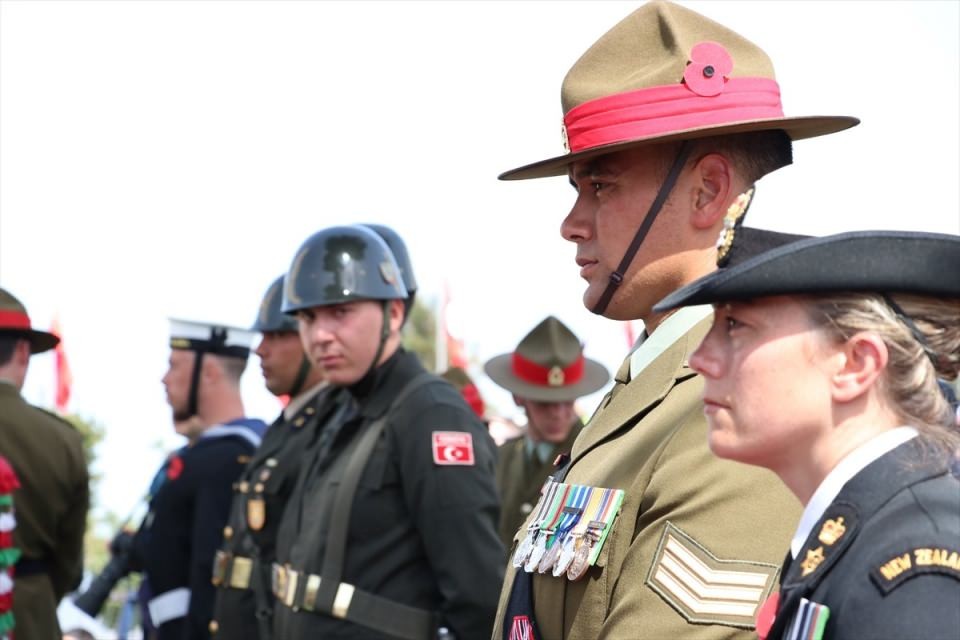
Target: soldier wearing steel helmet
(669, 119)
(392, 533)
(241, 571)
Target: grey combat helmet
(399, 249)
(345, 264)
(341, 264)
(270, 318)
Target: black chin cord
(617, 276)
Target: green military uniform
(520, 476)
(649, 438)
(51, 510)
(46, 453)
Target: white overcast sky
(167, 158)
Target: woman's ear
(865, 357)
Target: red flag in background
(453, 346)
(63, 377)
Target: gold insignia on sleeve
(812, 561)
(832, 531)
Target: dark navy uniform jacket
(420, 533)
(260, 496)
(890, 569)
(185, 524)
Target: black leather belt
(32, 567)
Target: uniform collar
(847, 468)
(302, 399)
(667, 333)
(375, 392)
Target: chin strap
(302, 374)
(617, 276)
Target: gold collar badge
(734, 213)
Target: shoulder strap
(335, 554)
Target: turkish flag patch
(453, 448)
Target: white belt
(169, 606)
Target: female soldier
(822, 365)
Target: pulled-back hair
(910, 380)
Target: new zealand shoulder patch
(453, 448)
(705, 589)
(897, 568)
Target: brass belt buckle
(240, 573)
(290, 594)
(341, 602)
(310, 592)
(220, 561)
(278, 580)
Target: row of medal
(569, 526)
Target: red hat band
(555, 376)
(705, 97)
(14, 320)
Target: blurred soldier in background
(47, 455)
(392, 530)
(244, 604)
(183, 529)
(546, 373)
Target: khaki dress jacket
(699, 540)
(51, 510)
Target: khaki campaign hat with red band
(548, 366)
(15, 321)
(667, 73)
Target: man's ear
(712, 190)
(21, 353)
(865, 357)
(397, 309)
(211, 369)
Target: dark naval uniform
(691, 531)
(520, 478)
(183, 529)
(421, 546)
(884, 558)
(244, 602)
(51, 504)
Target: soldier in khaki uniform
(51, 504)
(546, 373)
(670, 119)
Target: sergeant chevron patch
(705, 589)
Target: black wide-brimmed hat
(764, 263)
(15, 321)
(548, 366)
